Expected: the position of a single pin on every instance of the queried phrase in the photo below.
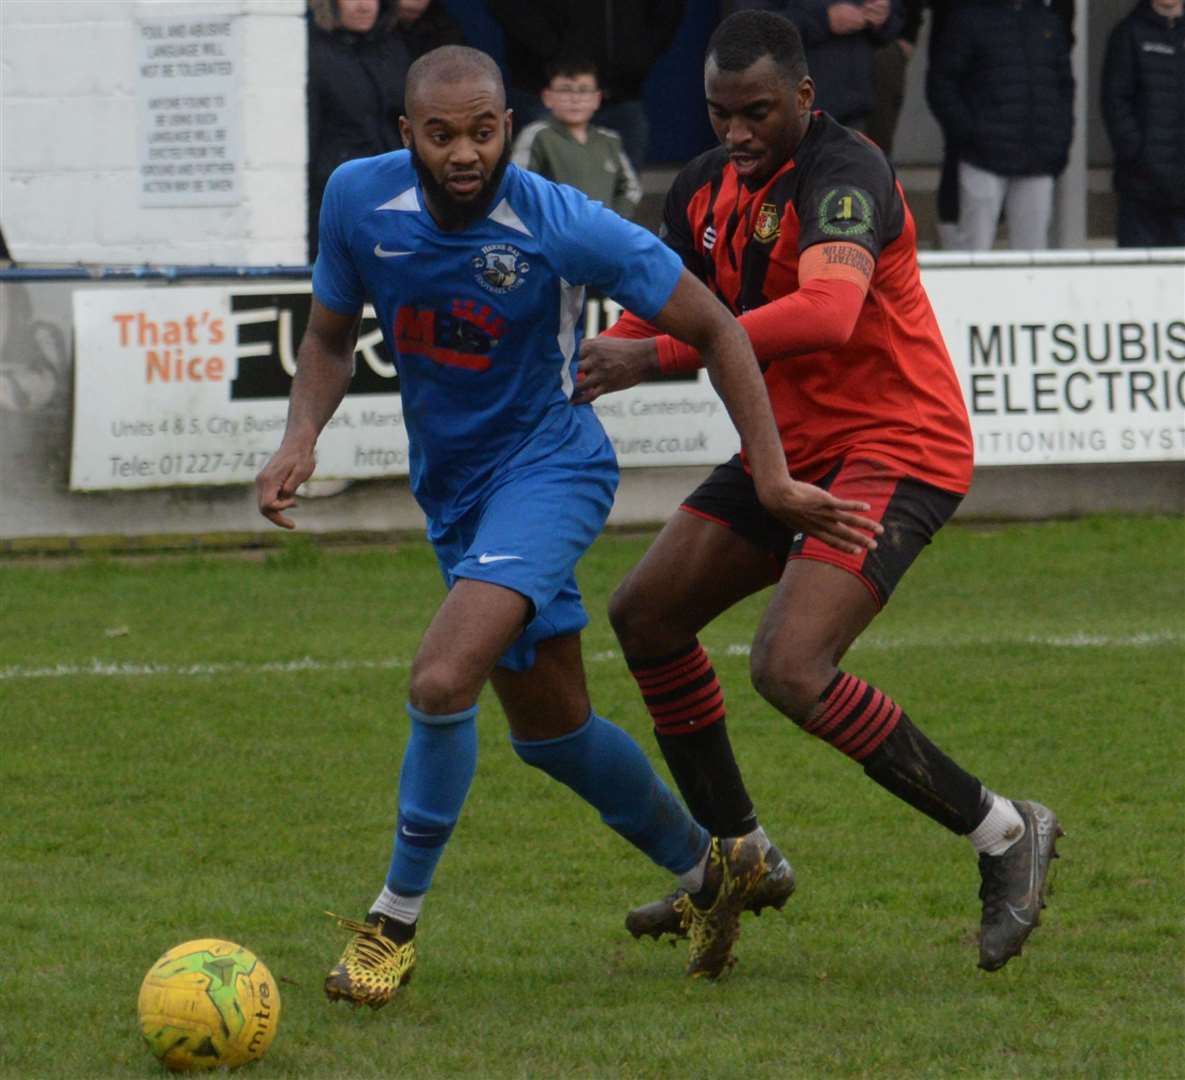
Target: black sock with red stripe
(684, 699)
(871, 728)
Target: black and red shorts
(910, 510)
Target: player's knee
(436, 689)
(789, 685)
(629, 621)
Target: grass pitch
(208, 746)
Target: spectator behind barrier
(948, 177)
(840, 39)
(566, 148)
(1001, 86)
(425, 25)
(622, 39)
(1144, 109)
(890, 62)
(357, 67)
(889, 70)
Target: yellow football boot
(373, 966)
(735, 866)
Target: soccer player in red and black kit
(801, 228)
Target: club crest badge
(768, 226)
(501, 268)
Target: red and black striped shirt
(890, 392)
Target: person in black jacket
(1001, 86)
(357, 68)
(889, 64)
(1144, 109)
(841, 37)
(622, 37)
(425, 25)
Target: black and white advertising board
(1060, 361)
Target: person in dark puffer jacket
(1001, 86)
(624, 38)
(841, 37)
(425, 25)
(357, 68)
(1144, 109)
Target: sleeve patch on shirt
(845, 211)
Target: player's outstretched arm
(694, 315)
(821, 314)
(324, 367)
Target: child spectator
(566, 148)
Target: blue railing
(80, 272)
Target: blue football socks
(606, 768)
(438, 767)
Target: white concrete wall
(69, 137)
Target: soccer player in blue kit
(476, 271)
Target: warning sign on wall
(188, 78)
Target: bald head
(448, 66)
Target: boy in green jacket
(568, 149)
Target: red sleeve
(820, 314)
(630, 326)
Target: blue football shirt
(484, 324)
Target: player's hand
(818, 513)
(876, 12)
(608, 364)
(845, 18)
(276, 484)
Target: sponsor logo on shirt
(501, 268)
(709, 238)
(464, 336)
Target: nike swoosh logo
(1040, 828)
(484, 559)
(1018, 916)
(420, 835)
(382, 254)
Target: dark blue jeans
(1147, 224)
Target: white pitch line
(106, 669)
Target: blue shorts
(527, 534)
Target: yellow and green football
(208, 1004)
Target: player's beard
(453, 214)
